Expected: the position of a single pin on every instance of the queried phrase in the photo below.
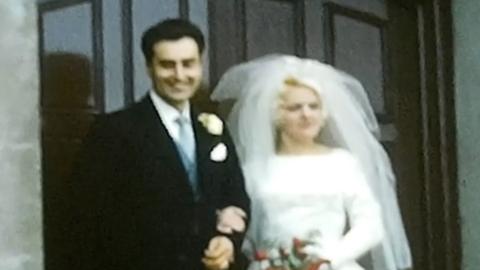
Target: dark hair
(170, 29)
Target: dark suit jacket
(134, 208)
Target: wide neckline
(309, 155)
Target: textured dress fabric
(324, 196)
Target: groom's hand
(219, 253)
(231, 219)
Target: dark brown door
(91, 64)
(388, 46)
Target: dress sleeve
(364, 218)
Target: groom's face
(176, 70)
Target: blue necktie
(186, 147)
(186, 138)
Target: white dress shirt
(169, 115)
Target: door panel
(258, 28)
(405, 95)
(226, 36)
(355, 43)
(144, 14)
(377, 8)
(262, 19)
(75, 36)
(198, 14)
(114, 45)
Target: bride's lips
(306, 124)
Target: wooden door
(390, 46)
(91, 64)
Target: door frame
(439, 160)
(439, 140)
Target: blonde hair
(294, 82)
(291, 81)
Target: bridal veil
(351, 125)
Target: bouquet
(293, 258)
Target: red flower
(261, 255)
(297, 243)
(315, 265)
(297, 248)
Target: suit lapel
(204, 144)
(158, 141)
(202, 139)
(161, 146)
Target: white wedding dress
(326, 195)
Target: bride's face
(300, 114)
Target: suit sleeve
(89, 192)
(235, 195)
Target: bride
(305, 134)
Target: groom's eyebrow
(189, 61)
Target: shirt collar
(166, 111)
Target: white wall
(20, 188)
(466, 15)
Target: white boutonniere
(212, 123)
(219, 152)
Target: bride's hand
(231, 219)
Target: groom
(157, 183)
